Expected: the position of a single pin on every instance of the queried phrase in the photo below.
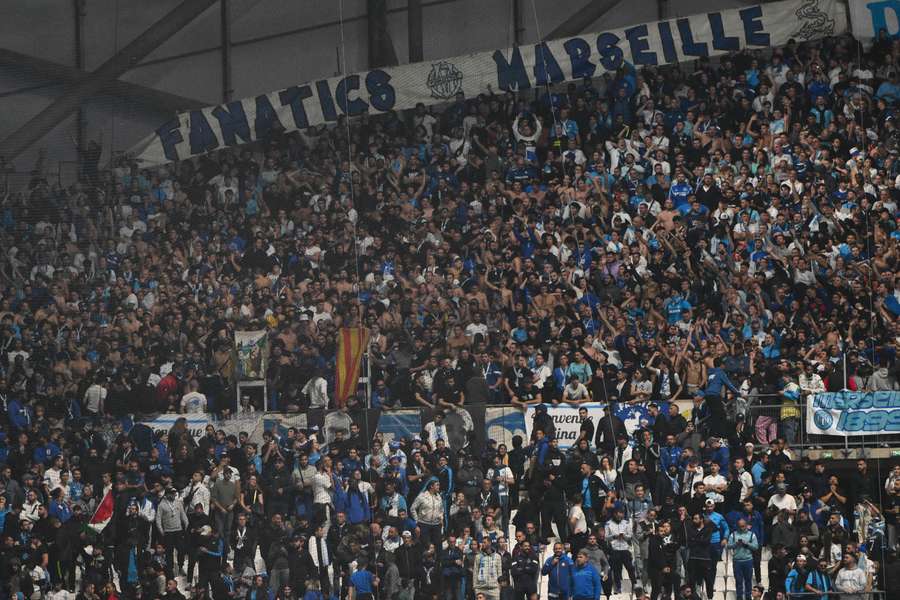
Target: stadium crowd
(725, 232)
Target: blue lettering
(893, 422)
(326, 102)
(201, 136)
(688, 45)
(294, 97)
(579, 52)
(862, 402)
(876, 420)
(546, 69)
(266, 118)
(720, 40)
(640, 46)
(381, 93)
(170, 136)
(511, 76)
(668, 41)
(879, 16)
(349, 106)
(233, 122)
(611, 56)
(753, 27)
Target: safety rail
(767, 421)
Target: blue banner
(854, 413)
(399, 424)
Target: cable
(537, 27)
(347, 117)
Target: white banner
(196, 423)
(566, 420)
(568, 423)
(854, 413)
(867, 18)
(511, 69)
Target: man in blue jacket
(586, 582)
(559, 568)
(670, 454)
(20, 415)
(716, 379)
(718, 453)
(754, 519)
(717, 424)
(720, 534)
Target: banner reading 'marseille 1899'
(521, 68)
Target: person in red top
(167, 386)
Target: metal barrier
(501, 422)
(767, 421)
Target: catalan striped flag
(352, 342)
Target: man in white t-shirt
(193, 401)
(437, 430)
(94, 397)
(316, 389)
(782, 500)
(715, 483)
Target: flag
(103, 514)
(352, 342)
(252, 348)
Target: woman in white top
(577, 524)
(607, 473)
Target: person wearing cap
(171, 522)
(795, 583)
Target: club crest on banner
(444, 80)
(814, 21)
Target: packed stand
(724, 232)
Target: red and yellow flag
(352, 342)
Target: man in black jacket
(552, 485)
(243, 541)
(542, 421)
(279, 486)
(196, 520)
(524, 571)
(609, 428)
(409, 562)
(661, 562)
(302, 568)
(779, 567)
(700, 564)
